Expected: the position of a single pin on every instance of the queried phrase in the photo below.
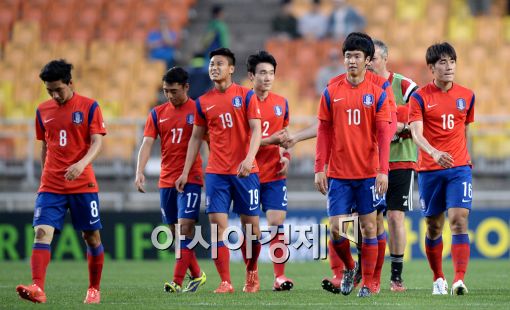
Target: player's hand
(285, 166)
(381, 184)
(443, 159)
(74, 171)
(278, 137)
(180, 182)
(321, 182)
(140, 182)
(289, 142)
(245, 167)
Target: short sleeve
(199, 115)
(324, 112)
(150, 129)
(39, 126)
(253, 107)
(286, 118)
(96, 122)
(415, 108)
(383, 110)
(471, 112)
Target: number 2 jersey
(226, 115)
(174, 125)
(66, 129)
(444, 116)
(274, 110)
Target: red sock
(343, 250)
(381, 250)
(369, 249)
(280, 252)
(243, 251)
(460, 255)
(182, 264)
(95, 258)
(252, 262)
(222, 262)
(336, 264)
(194, 268)
(434, 251)
(41, 255)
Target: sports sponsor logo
(461, 104)
(93, 222)
(278, 111)
(49, 120)
(77, 117)
(368, 100)
(237, 102)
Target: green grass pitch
(139, 284)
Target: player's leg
(399, 199)
(433, 205)
(49, 213)
(381, 251)
(188, 204)
(340, 201)
(367, 211)
(246, 198)
(274, 204)
(84, 209)
(217, 203)
(459, 196)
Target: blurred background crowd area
(121, 48)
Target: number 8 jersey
(444, 116)
(66, 129)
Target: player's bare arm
(75, 170)
(193, 147)
(143, 158)
(443, 159)
(256, 135)
(285, 161)
(276, 138)
(304, 134)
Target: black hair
(223, 51)
(216, 10)
(260, 57)
(56, 70)
(359, 41)
(176, 75)
(436, 51)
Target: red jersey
(353, 112)
(226, 115)
(444, 116)
(66, 130)
(377, 80)
(275, 116)
(174, 126)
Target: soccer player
(231, 115)
(71, 128)
(173, 122)
(403, 157)
(353, 139)
(440, 113)
(273, 162)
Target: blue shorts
(348, 196)
(50, 209)
(222, 189)
(443, 189)
(274, 195)
(175, 205)
(379, 203)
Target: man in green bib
(403, 157)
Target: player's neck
(181, 103)
(68, 99)
(261, 94)
(222, 85)
(442, 85)
(386, 74)
(355, 80)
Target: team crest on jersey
(278, 111)
(461, 104)
(368, 100)
(237, 102)
(189, 119)
(77, 117)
